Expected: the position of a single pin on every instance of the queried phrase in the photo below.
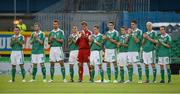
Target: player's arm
(60, 39)
(125, 44)
(21, 42)
(31, 38)
(41, 41)
(12, 42)
(136, 39)
(100, 42)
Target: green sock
(154, 74)
(130, 72)
(140, 72)
(13, 71)
(122, 73)
(43, 70)
(162, 74)
(23, 72)
(147, 73)
(115, 72)
(34, 72)
(71, 73)
(109, 73)
(63, 72)
(102, 74)
(92, 74)
(169, 74)
(52, 73)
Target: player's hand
(145, 35)
(35, 35)
(52, 38)
(118, 44)
(91, 38)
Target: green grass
(59, 87)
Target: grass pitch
(104, 88)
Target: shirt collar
(55, 30)
(163, 36)
(97, 34)
(111, 31)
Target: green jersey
(73, 46)
(37, 48)
(59, 34)
(132, 45)
(97, 38)
(113, 35)
(15, 45)
(149, 45)
(162, 50)
(122, 40)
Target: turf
(59, 87)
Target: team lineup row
(122, 49)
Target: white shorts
(133, 57)
(163, 60)
(73, 57)
(37, 58)
(110, 55)
(56, 54)
(96, 57)
(149, 57)
(122, 58)
(17, 57)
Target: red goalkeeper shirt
(83, 41)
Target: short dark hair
(36, 23)
(96, 26)
(134, 21)
(111, 22)
(163, 27)
(56, 20)
(124, 27)
(84, 23)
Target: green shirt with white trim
(15, 45)
(59, 34)
(97, 38)
(162, 50)
(37, 48)
(113, 35)
(132, 45)
(149, 45)
(73, 46)
(122, 40)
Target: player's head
(20, 21)
(162, 29)
(123, 30)
(56, 24)
(74, 29)
(110, 25)
(84, 25)
(133, 24)
(16, 30)
(36, 26)
(96, 29)
(129, 31)
(149, 26)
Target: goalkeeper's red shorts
(83, 55)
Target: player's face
(84, 27)
(149, 27)
(123, 31)
(95, 30)
(36, 28)
(133, 25)
(16, 30)
(129, 30)
(74, 29)
(110, 26)
(55, 25)
(162, 30)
